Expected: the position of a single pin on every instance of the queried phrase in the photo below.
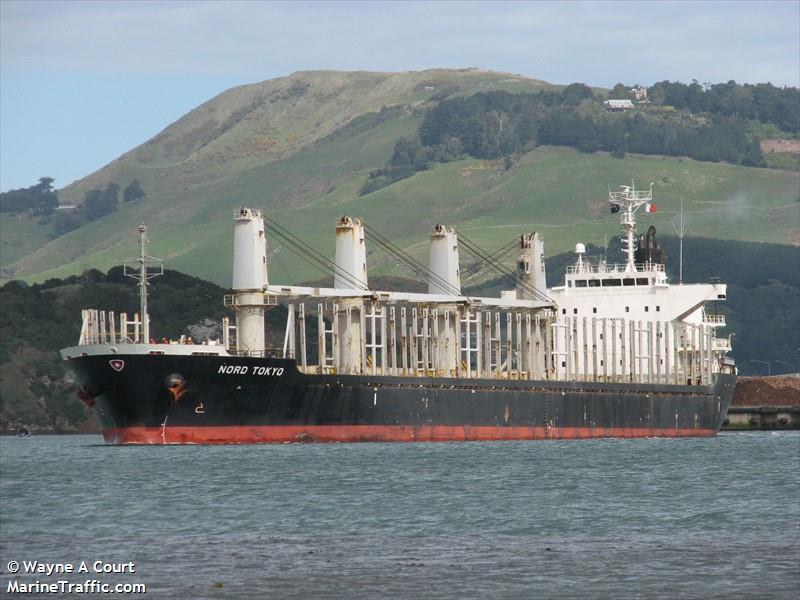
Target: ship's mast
(139, 270)
(681, 232)
(627, 201)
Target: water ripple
(652, 518)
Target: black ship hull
(172, 399)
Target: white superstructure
(595, 295)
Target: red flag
(651, 208)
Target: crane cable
(312, 255)
(411, 262)
(477, 250)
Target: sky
(83, 82)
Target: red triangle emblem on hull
(117, 364)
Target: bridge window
(580, 283)
(642, 281)
(594, 283)
(629, 281)
(612, 282)
(646, 309)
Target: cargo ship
(616, 351)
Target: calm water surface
(650, 518)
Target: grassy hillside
(301, 147)
(249, 126)
(20, 235)
(557, 191)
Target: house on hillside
(617, 105)
(640, 93)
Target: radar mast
(627, 201)
(137, 269)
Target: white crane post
(443, 262)
(531, 274)
(351, 255)
(249, 279)
(445, 279)
(350, 272)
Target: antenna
(137, 269)
(83, 265)
(681, 232)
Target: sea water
(643, 518)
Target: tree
(15, 201)
(98, 203)
(449, 149)
(694, 97)
(409, 153)
(133, 192)
(112, 193)
(40, 199)
(64, 222)
(753, 157)
(45, 198)
(619, 92)
(575, 93)
(656, 94)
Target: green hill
(302, 146)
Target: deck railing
(613, 268)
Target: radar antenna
(626, 202)
(137, 268)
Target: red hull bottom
(277, 434)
